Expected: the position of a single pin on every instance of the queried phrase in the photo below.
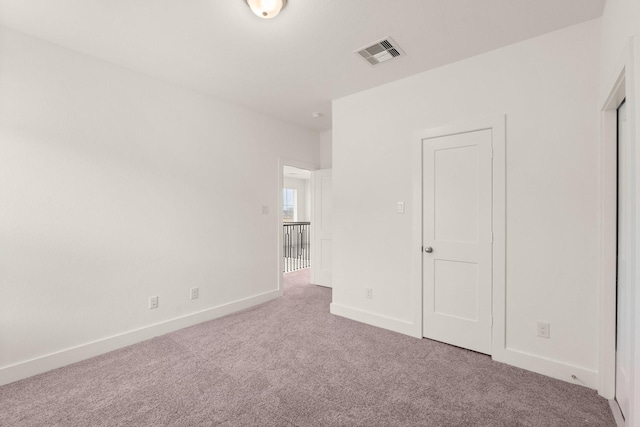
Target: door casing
(609, 238)
(625, 273)
(497, 125)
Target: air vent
(381, 51)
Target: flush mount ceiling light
(266, 9)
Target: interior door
(457, 239)
(625, 257)
(321, 253)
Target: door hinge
(491, 321)
(492, 237)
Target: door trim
(609, 218)
(497, 125)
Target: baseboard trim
(385, 322)
(520, 359)
(549, 367)
(617, 413)
(38, 365)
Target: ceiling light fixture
(266, 9)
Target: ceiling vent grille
(380, 51)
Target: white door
(321, 251)
(625, 265)
(457, 239)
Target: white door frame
(622, 86)
(609, 239)
(497, 125)
(282, 162)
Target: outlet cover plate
(544, 330)
(153, 302)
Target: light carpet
(289, 362)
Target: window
(289, 199)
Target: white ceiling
(295, 64)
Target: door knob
(428, 249)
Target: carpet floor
(289, 362)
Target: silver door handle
(428, 249)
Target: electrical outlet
(400, 208)
(194, 293)
(153, 302)
(369, 293)
(544, 330)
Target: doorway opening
(295, 204)
(296, 219)
(304, 222)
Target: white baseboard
(548, 367)
(385, 322)
(38, 365)
(617, 413)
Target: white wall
(621, 47)
(325, 149)
(548, 89)
(303, 195)
(114, 187)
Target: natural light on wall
(266, 9)
(289, 204)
